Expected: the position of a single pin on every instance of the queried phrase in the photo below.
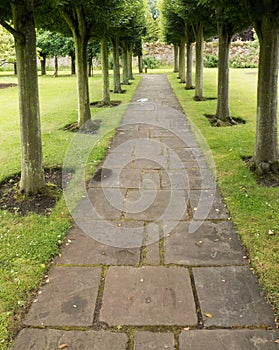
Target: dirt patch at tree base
(215, 122)
(14, 201)
(7, 85)
(90, 127)
(101, 104)
(268, 178)
(120, 92)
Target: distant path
(152, 261)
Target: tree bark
(73, 65)
(43, 65)
(81, 37)
(125, 74)
(223, 102)
(266, 146)
(199, 89)
(130, 62)
(32, 173)
(176, 59)
(116, 66)
(55, 66)
(140, 63)
(182, 62)
(90, 68)
(189, 78)
(82, 80)
(105, 69)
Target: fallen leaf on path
(208, 315)
(277, 341)
(63, 346)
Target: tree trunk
(32, 173)
(43, 65)
(73, 65)
(15, 68)
(189, 79)
(55, 66)
(82, 80)
(125, 75)
(116, 66)
(223, 102)
(81, 37)
(90, 68)
(105, 69)
(176, 60)
(266, 146)
(130, 62)
(199, 92)
(140, 63)
(182, 63)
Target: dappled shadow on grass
(269, 178)
(14, 201)
(215, 122)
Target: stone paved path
(152, 261)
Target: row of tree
(187, 21)
(120, 21)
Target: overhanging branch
(9, 28)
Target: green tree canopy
(7, 47)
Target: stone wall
(164, 53)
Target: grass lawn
(254, 209)
(28, 243)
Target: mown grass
(28, 243)
(254, 208)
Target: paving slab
(114, 233)
(81, 249)
(197, 178)
(148, 296)
(228, 339)
(146, 163)
(100, 204)
(208, 205)
(213, 243)
(50, 339)
(152, 205)
(150, 340)
(68, 299)
(150, 148)
(232, 297)
(201, 179)
(153, 254)
(175, 179)
(151, 179)
(117, 178)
